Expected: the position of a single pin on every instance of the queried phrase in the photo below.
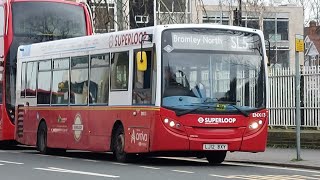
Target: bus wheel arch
(42, 137)
(118, 142)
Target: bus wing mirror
(141, 59)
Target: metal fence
(282, 97)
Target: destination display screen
(217, 40)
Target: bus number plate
(215, 147)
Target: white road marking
(62, 157)
(45, 155)
(2, 151)
(265, 177)
(14, 152)
(121, 164)
(247, 165)
(304, 177)
(149, 167)
(10, 162)
(219, 176)
(184, 159)
(180, 171)
(53, 169)
(1, 164)
(272, 167)
(89, 160)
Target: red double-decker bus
(187, 90)
(26, 22)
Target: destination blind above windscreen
(216, 42)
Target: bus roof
(118, 40)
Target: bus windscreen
(207, 67)
(50, 20)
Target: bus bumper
(163, 139)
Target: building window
(276, 29)
(103, 16)
(279, 56)
(283, 30)
(253, 23)
(269, 28)
(172, 6)
(216, 17)
(283, 57)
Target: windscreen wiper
(181, 113)
(233, 104)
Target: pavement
(279, 157)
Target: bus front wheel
(216, 157)
(42, 139)
(119, 144)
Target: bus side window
(31, 79)
(60, 81)
(142, 82)
(79, 80)
(23, 80)
(99, 79)
(44, 82)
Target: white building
(280, 24)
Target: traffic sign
(299, 43)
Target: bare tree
(173, 11)
(110, 15)
(315, 8)
(308, 9)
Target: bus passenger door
(119, 79)
(142, 101)
(142, 82)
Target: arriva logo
(138, 136)
(216, 120)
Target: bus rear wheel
(216, 157)
(42, 139)
(119, 144)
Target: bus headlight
(166, 120)
(254, 125)
(174, 125)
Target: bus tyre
(119, 144)
(216, 157)
(42, 139)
